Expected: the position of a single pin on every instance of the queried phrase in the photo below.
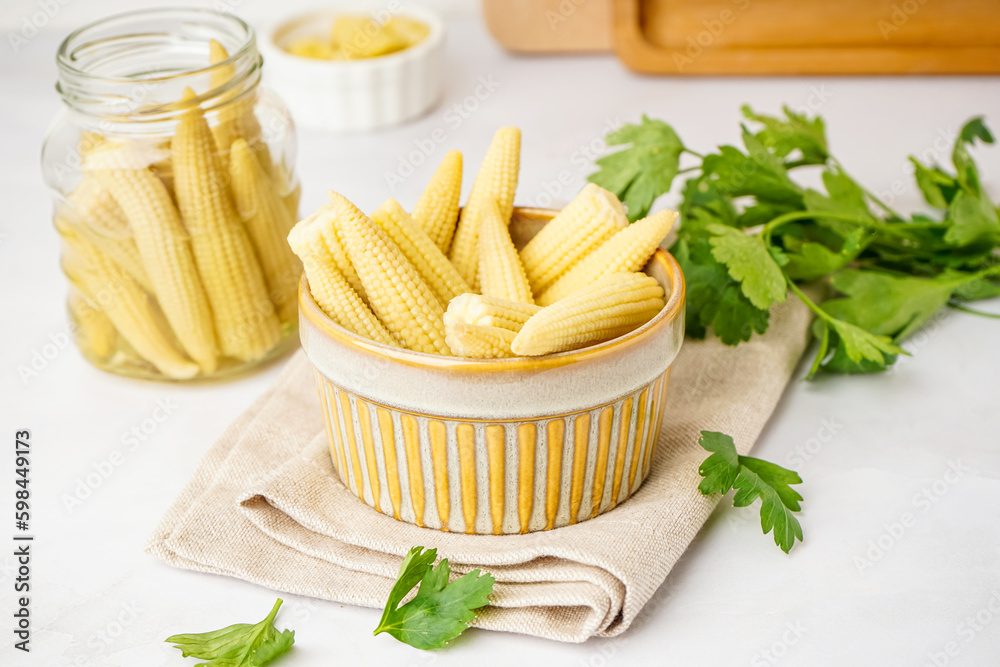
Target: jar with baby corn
(172, 173)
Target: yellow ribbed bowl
(496, 446)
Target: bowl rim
(275, 50)
(311, 311)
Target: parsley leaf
(794, 132)
(758, 173)
(440, 611)
(240, 645)
(844, 197)
(937, 187)
(753, 478)
(713, 298)
(972, 216)
(860, 345)
(968, 173)
(704, 205)
(812, 261)
(643, 171)
(750, 264)
(887, 304)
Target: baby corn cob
(127, 305)
(497, 181)
(166, 253)
(605, 309)
(439, 273)
(94, 325)
(290, 196)
(236, 119)
(88, 142)
(333, 236)
(437, 209)
(268, 223)
(476, 341)
(501, 273)
(628, 250)
(593, 217)
(329, 287)
(397, 293)
(244, 315)
(488, 311)
(95, 215)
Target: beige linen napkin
(265, 505)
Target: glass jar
(172, 171)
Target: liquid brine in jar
(171, 170)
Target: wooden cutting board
(684, 37)
(545, 26)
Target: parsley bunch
(750, 233)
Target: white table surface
(734, 599)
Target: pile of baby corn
(177, 247)
(447, 282)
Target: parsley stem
(871, 195)
(972, 311)
(694, 153)
(882, 205)
(986, 273)
(794, 216)
(824, 345)
(822, 314)
(689, 169)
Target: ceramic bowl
(355, 95)
(496, 446)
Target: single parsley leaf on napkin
(753, 478)
(240, 645)
(643, 171)
(440, 611)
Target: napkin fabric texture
(266, 505)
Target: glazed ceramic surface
(496, 446)
(355, 95)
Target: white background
(839, 599)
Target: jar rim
(66, 63)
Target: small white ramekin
(356, 95)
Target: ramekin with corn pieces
(490, 369)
